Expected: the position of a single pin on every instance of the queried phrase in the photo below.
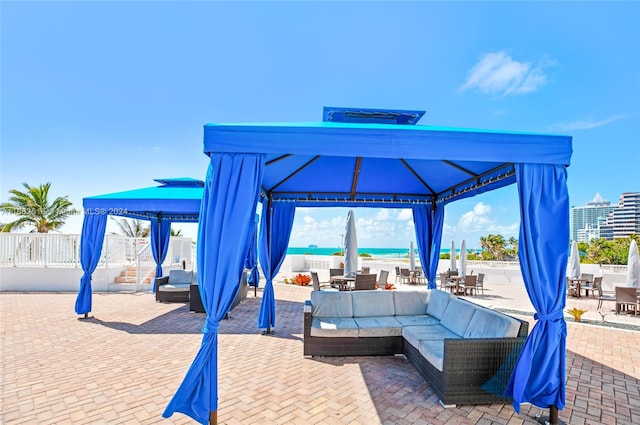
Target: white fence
(63, 251)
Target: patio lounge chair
(174, 288)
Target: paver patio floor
(123, 366)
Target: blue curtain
(428, 224)
(93, 228)
(251, 262)
(160, 235)
(275, 229)
(539, 375)
(227, 212)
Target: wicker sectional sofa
(465, 351)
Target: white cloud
(383, 214)
(405, 214)
(478, 222)
(498, 72)
(586, 124)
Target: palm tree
(33, 209)
(493, 247)
(133, 228)
(176, 233)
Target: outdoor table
(578, 281)
(414, 275)
(343, 282)
(454, 286)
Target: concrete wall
(53, 279)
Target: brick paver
(123, 365)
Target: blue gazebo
(377, 158)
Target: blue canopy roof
(176, 200)
(383, 165)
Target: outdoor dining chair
(480, 283)
(382, 280)
(602, 295)
(469, 285)
(335, 272)
(364, 282)
(316, 281)
(443, 278)
(405, 276)
(591, 286)
(626, 298)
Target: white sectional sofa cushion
(424, 320)
(372, 303)
(378, 326)
(415, 334)
(410, 303)
(331, 304)
(433, 351)
(334, 327)
(438, 301)
(457, 315)
(490, 324)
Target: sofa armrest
(486, 364)
(161, 281)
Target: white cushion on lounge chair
(331, 304)
(422, 320)
(372, 303)
(174, 287)
(378, 326)
(334, 327)
(410, 303)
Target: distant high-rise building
(624, 220)
(585, 220)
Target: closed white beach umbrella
(453, 266)
(633, 265)
(412, 257)
(350, 247)
(463, 258)
(573, 269)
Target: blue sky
(99, 97)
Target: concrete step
(132, 279)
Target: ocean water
(374, 252)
